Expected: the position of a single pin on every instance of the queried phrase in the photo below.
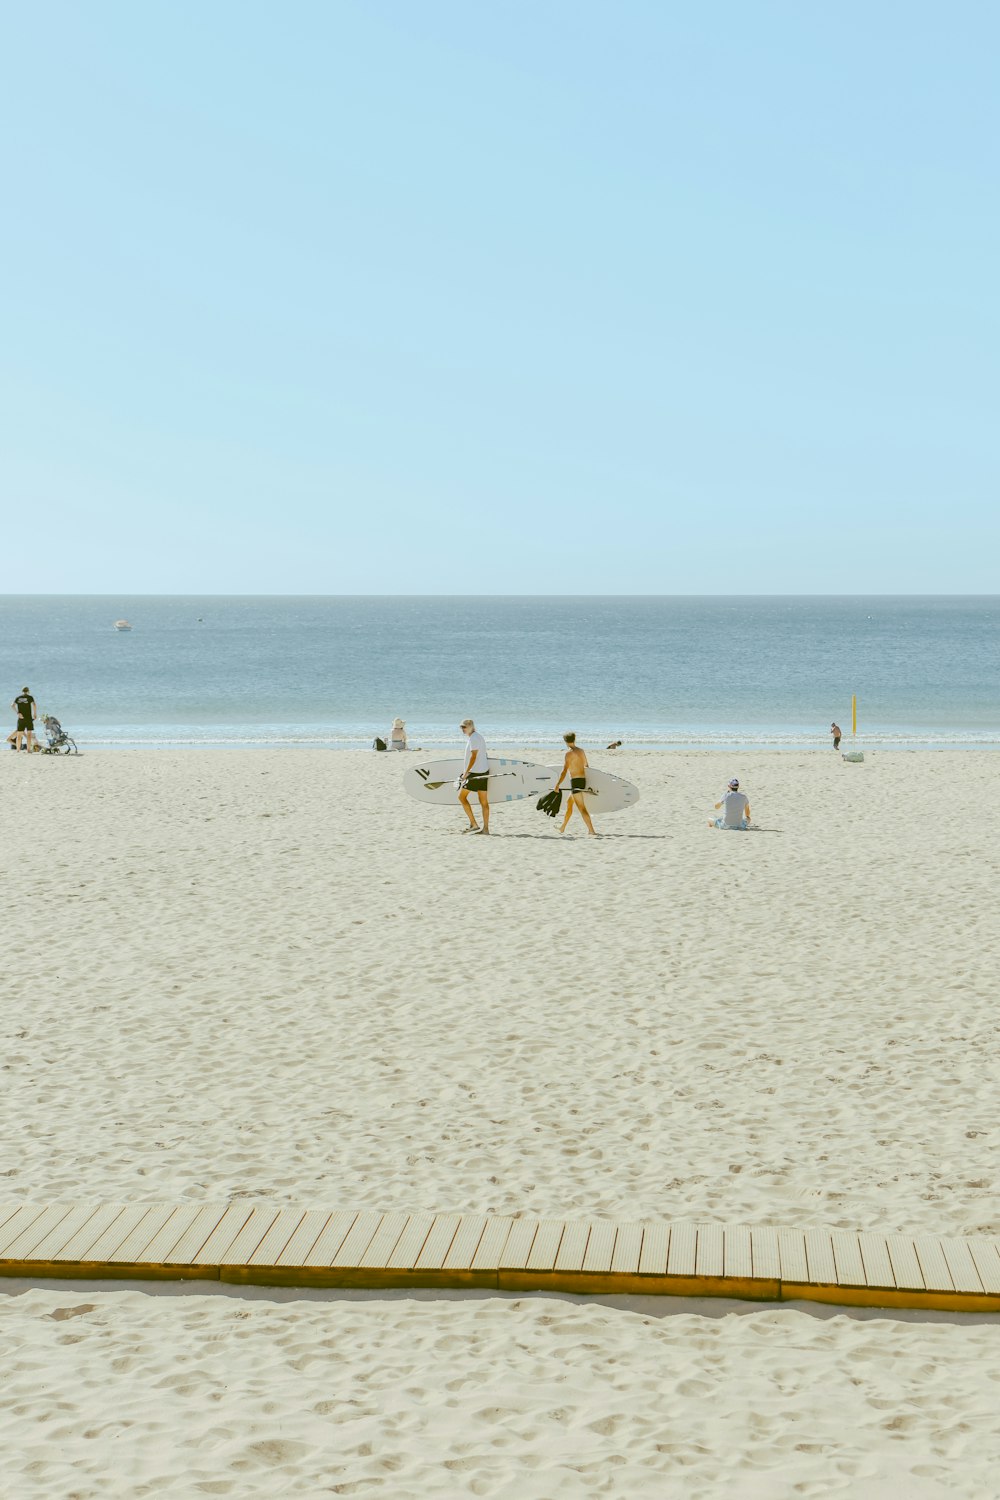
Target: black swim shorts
(24, 724)
(578, 783)
(478, 783)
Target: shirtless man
(575, 767)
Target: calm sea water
(672, 672)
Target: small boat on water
(122, 625)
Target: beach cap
(467, 724)
(734, 784)
(399, 723)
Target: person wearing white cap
(475, 777)
(397, 735)
(735, 807)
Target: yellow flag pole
(854, 714)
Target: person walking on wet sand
(575, 767)
(27, 713)
(835, 731)
(475, 777)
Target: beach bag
(550, 803)
(379, 744)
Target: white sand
(275, 975)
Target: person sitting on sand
(575, 767)
(615, 745)
(397, 735)
(735, 808)
(475, 777)
(27, 713)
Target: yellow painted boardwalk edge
(248, 1242)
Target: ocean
(670, 672)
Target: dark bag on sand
(379, 744)
(550, 803)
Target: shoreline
(532, 750)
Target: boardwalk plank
(905, 1265)
(462, 1251)
(600, 1245)
(102, 1221)
(213, 1251)
(410, 1243)
(119, 1229)
(961, 1266)
(438, 1242)
(23, 1216)
(819, 1258)
(7, 1212)
(314, 1223)
(875, 1258)
(710, 1252)
(764, 1253)
(683, 1249)
(206, 1219)
(628, 1248)
(545, 1245)
(143, 1242)
(847, 1255)
(357, 1240)
(490, 1247)
(986, 1260)
(249, 1237)
(277, 1237)
(384, 1240)
(737, 1261)
(327, 1242)
(937, 1277)
(34, 1228)
(518, 1246)
(67, 1229)
(792, 1255)
(573, 1245)
(655, 1250)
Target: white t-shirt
(476, 742)
(734, 809)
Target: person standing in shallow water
(575, 767)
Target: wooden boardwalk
(246, 1241)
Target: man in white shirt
(735, 807)
(475, 777)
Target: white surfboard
(510, 780)
(516, 781)
(605, 793)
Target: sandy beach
(272, 974)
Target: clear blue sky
(547, 296)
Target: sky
(547, 296)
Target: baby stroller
(59, 742)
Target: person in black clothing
(26, 715)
